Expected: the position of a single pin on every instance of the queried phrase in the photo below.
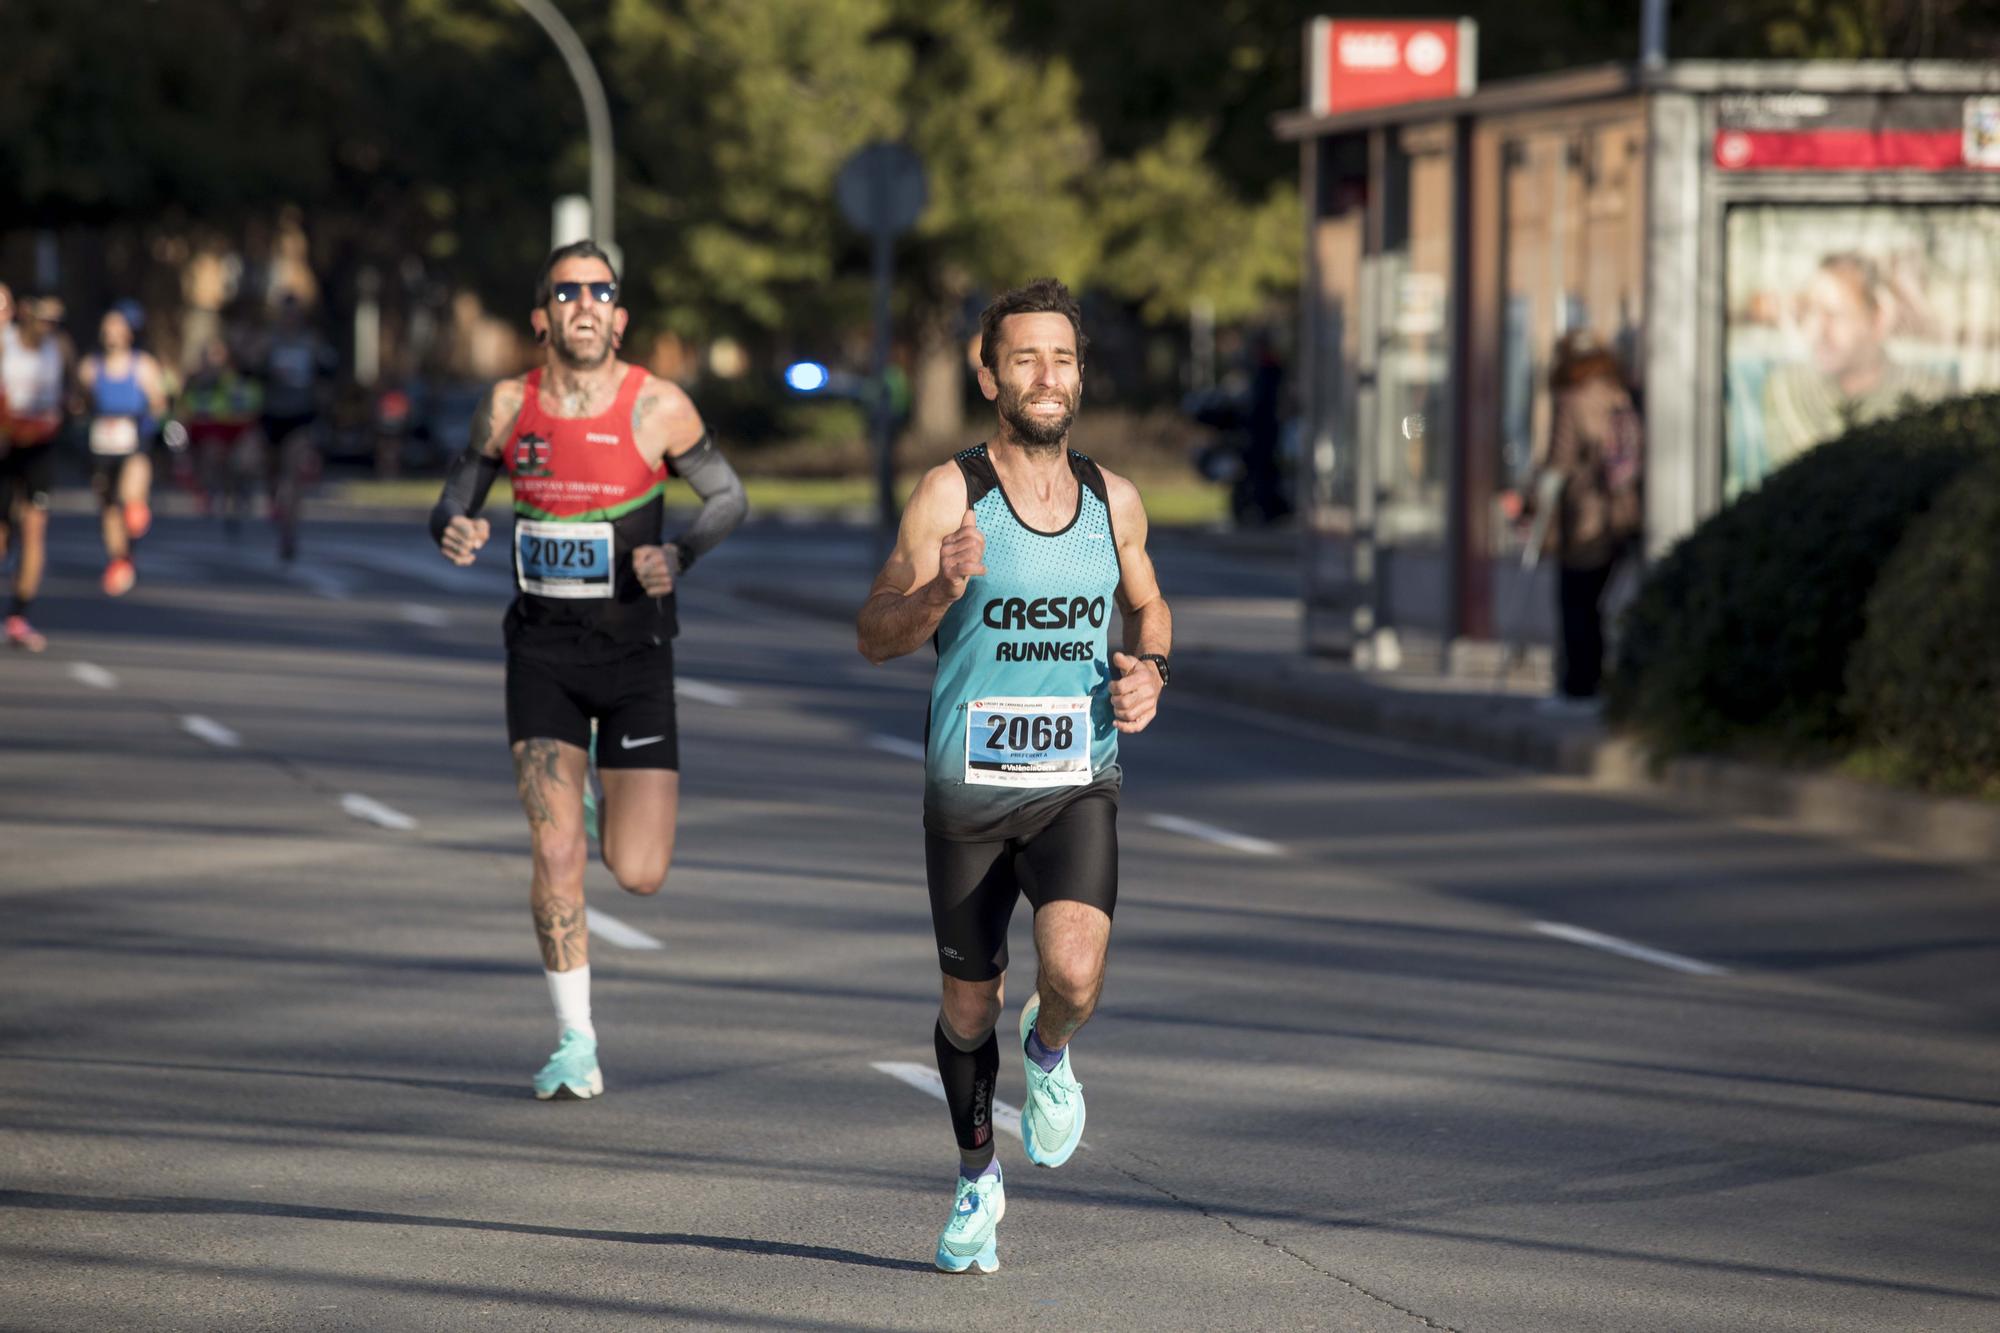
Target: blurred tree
(405, 128)
(1176, 235)
(731, 164)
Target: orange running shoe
(138, 519)
(119, 576)
(23, 635)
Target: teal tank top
(1020, 719)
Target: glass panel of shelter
(1572, 258)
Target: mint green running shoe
(572, 1070)
(1052, 1115)
(967, 1241)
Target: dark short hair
(574, 250)
(1042, 296)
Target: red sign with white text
(1362, 63)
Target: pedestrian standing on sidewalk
(1590, 468)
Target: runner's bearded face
(582, 326)
(1038, 379)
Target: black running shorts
(1072, 858)
(27, 473)
(630, 698)
(107, 471)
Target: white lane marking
(896, 745)
(369, 810)
(1221, 837)
(720, 695)
(1590, 939)
(428, 616)
(430, 568)
(93, 675)
(925, 1080)
(320, 582)
(208, 729)
(610, 928)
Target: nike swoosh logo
(626, 742)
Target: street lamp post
(596, 115)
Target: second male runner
(588, 442)
(1011, 560)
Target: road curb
(1932, 828)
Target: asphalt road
(271, 1002)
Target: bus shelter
(1774, 250)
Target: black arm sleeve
(723, 502)
(466, 483)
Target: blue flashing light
(806, 376)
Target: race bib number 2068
(1040, 742)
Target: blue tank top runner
(121, 397)
(1020, 721)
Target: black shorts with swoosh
(630, 698)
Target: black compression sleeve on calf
(466, 483)
(968, 1090)
(723, 502)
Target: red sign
(1361, 63)
(1839, 150)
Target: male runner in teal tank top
(1011, 560)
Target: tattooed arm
(455, 523)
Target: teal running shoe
(1052, 1115)
(590, 790)
(572, 1070)
(967, 1241)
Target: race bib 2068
(1040, 742)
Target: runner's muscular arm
(1148, 623)
(914, 589)
(455, 523)
(667, 427)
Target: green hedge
(1739, 638)
(1924, 684)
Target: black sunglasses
(604, 293)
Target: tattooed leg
(563, 931)
(549, 775)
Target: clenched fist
(463, 537)
(1135, 692)
(961, 556)
(655, 566)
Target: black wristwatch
(1159, 660)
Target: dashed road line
(428, 616)
(703, 692)
(609, 928)
(896, 745)
(1590, 939)
(372, 811)
(320, 582)
(93, 675)
(429, 569)
(208, 729)
(925, 1080)
(1221, 837)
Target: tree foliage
(1123, 145)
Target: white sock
(571, 992)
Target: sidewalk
(1237, 639)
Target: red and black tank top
(584, 497)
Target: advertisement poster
(1845, 315)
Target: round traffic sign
(881, 188)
